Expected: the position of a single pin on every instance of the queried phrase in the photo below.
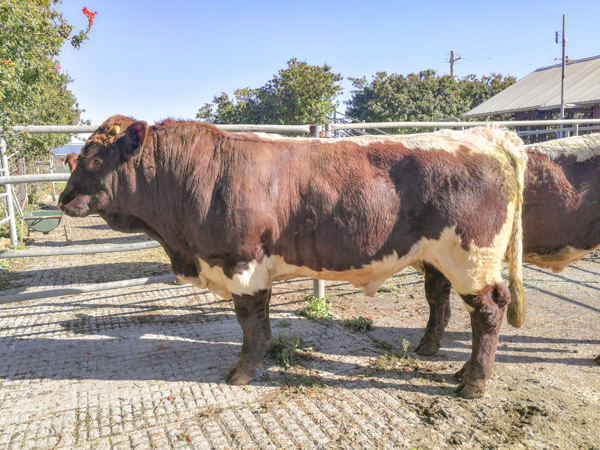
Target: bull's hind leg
(437, 292)
(487, 309)
(252, 312)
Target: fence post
(10, 210)
(54, 198)
(318, 285)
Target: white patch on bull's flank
(472, 270)
(557, 262)
(202, 282)
(369, 277)
(468, 271)
(582, 147)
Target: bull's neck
(166, 195)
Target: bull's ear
(133, 139)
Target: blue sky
(155, 59)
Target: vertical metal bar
(10, 210)
(52, 171)
(318, 285)
(319, 288)
(576, 131)
(315, 131)
(17, 204)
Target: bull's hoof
(427, 348)
(240, 377)
(474, 389)
(460, 374)
(597, 360)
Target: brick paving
(145, 367)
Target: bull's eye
(96, 162)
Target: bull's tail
(514, 149)
(516, 308)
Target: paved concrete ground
(146, 367)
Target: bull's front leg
(252, 312)
(437, 293)
(487, 309)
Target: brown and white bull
(236, 212)
(561, 219)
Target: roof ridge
(569, 62)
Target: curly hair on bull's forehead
(110, 129)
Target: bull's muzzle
(73, 205)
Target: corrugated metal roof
(541, 89)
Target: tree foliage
(33, 89)
(299, 94)
(423, 96)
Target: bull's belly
(557, 261)
(261, 275)
(468, 270)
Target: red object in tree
(90, 15)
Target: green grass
(301, 382)
(283, 323)
(316, 309)
(394, 360)
(387, 289)
(284, 350)
(358, 324)
(405, 348)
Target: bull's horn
(115, 130)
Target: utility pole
(452, 61)
(562, 79)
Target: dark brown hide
(219, 202)
(562, 204)
(242, 198)
(487, 310)
(351, 186)
(252, 312)
(437, 288)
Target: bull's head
(93, 185)
(71, 161)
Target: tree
(33, 90)
(425, 96)
(299, 94)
